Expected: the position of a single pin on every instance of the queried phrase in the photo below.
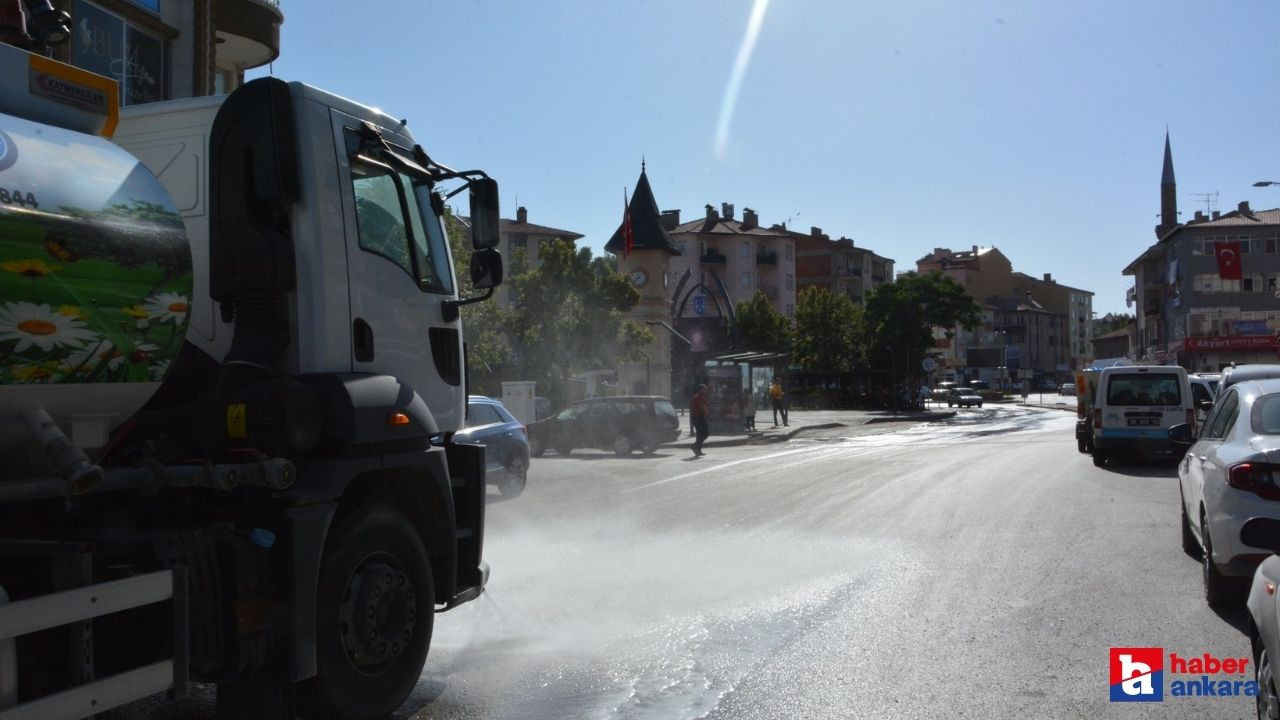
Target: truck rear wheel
(375, 607)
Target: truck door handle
(362, 340)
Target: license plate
(1144, 422)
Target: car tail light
(525, 429)
(1097, 419)
(1257, 478)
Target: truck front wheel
(375, 608)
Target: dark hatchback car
(506, 443)
(621, 424)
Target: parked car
(1264, 630)
(1229, 478)
(963, 397)
(1133, 409)
(506, 443)
(1240, 373)
(1204, 389)
(1067, 389)
(621, 424)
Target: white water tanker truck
(230, 364)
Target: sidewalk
(802, 420)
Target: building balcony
(248, 32)
(767, 258)
(713, 257)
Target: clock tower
(646, 265)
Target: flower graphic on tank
(168, 307)
(41, 327)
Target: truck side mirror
(484, 216)
(486, 269)
(1206, 406)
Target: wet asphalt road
(979, 567)
(975, 568)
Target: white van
(1134, 409)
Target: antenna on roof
(1210, 200)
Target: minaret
(1168, 193)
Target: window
(481, 414)
(746, 279)
(1144, 389)
(1265, 415)
(382, 230)
(1219, 422)
(107, 45)
(744, 250)
(788, 251)
(791, 281)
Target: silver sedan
(1229, 477)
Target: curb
(911, 418)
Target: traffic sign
(928, 364)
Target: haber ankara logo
(1137, 674)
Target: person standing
(776, 397)
(748, 409)
(699, 408)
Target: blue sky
(1036, 128)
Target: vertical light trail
(740, 63)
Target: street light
(1266, 183)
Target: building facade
(521, 236)
(838, 265)
(1187, 313)
(1038, 328)
(166, 49)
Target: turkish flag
(628, 237)
(1228, 254)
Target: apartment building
(838, 265)
(1192, 310)
(165, 49)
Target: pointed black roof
(646, 223)
(1166, 177)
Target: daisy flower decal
(168, 307)
(39, 326)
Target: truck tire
(564, 449)
(1099, 457)
(374, 611)
(516, 477)
(1081, 446)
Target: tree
(1112, 322)
(828, 331)
(567, 316)
(761, 327)
(488, 352)
(901, 316)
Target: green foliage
(829, 331)
(565, 316)
(901, 315)
(1112, 322)
(761, 327)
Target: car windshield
(1144, 389)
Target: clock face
(639, 277)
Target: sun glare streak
(739, 71)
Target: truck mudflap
(79, 606)
(466, 476)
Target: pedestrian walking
(776, 398)
(749, 409)
(699, 408)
